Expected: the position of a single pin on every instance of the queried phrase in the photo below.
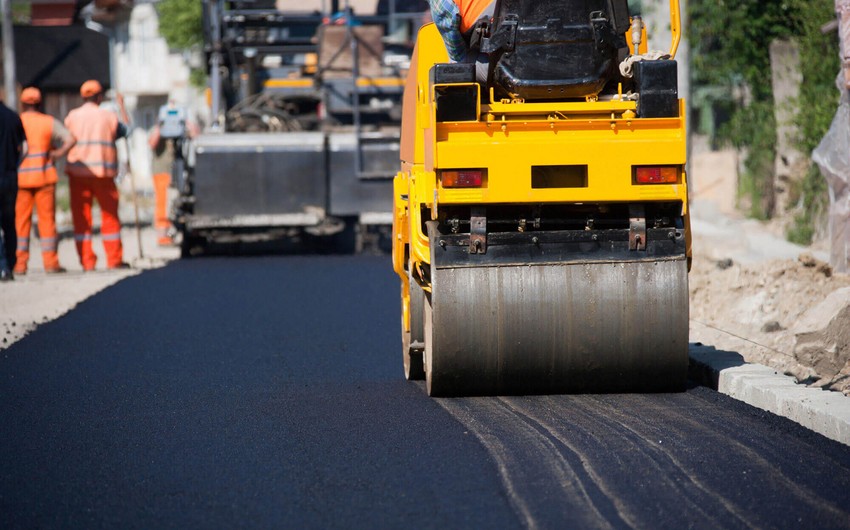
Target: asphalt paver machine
(306, 108)
(541, 229)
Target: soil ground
(749, 288)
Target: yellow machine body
(594, 146)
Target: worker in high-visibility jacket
(456, 21)
(166, 142)
(163, 159)
(92, 167)
(47, 140)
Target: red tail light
(656, 175)
(462, 178)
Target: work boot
(57, 270)
(122, 265)
(19, 272)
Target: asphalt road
(267, 393)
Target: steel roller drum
(618, 326)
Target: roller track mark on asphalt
(528, 460)
(657, 455)
(500, 455)
(570, 452)
(557, 408)
(729, 435)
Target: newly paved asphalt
(267, 393)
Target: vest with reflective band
(36, 170)
(470, 12)
(94, 155)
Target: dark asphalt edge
(822, 411)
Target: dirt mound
(774, 313)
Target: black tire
(191, 245)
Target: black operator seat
(555, 49)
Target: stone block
(822, 336)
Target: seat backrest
(556, 49)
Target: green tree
(180, 23)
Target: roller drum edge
(620, 326)
(417, 323)
(414, 339)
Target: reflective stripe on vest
(36, 170)
(94, 155)
(48, 244)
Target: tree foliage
(731, 49)
(180, 23)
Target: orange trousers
(44, 200)
(161, 181)
(83, 190)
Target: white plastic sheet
(832, 155)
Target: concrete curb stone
(825, 412)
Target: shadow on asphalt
(701, 374)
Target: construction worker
(456, 19)
(47, 140)
(12, 149)
(163, 158)
(165, 140)
(92, 167)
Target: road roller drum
(584, 327)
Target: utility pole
(9, 56)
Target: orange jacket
(96, 130)
(470, 12)
(36, 170)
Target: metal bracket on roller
(637, 227)
(478, 231)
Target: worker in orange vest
(456, 19)
(92, 167)
(47, 140)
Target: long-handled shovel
(120, 100)
(135, 200)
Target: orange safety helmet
(31, 96)
(90, 88)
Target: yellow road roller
(541, 228)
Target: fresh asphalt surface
(267, 393)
